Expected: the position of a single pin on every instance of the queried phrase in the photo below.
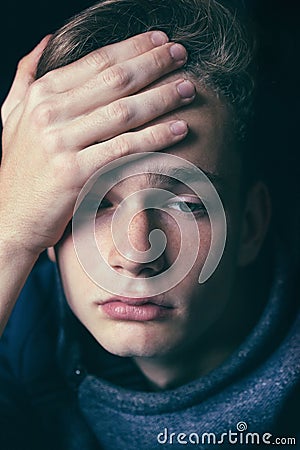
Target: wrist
(13, 247)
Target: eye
(188, 205)
(104, 205)
(92, 206)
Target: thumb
(24, 77)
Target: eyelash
(104, 204)
(188, 206)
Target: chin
(134, 340)
(130, 350)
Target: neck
(181, 368)
(215, 345)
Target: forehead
(210, 142)
(155, 170)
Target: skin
(51, 123)
(75, 120)
(202, 326)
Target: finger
(121, 80)
(153, 138)
(24, 77)
(78, 72)
(127, 114)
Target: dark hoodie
(51, 398)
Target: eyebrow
(173, 176)
(168, 176)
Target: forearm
(16, 263)
(60, 129)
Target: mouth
(135, 309)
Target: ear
(255, 222)
(51, 254)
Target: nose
(137, 240)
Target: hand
(60, 129)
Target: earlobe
(51, 254)
(255, 223)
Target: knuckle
(37, 90)
(153, 137)
(53, 142)
(4, 114)
(123, 146)
(99, 59)
(63, 166)
(138, 45)
(160, 103)
(47, 81)
(119, 111)
(43, 114)
(22, 63)
(167, 101)
(10, 115)
(158, 60)
(65, 170)
(116, 77)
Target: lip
(135, 309)
(137, 301)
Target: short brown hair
(219, 46)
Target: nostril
(148, 273)
(138, 270)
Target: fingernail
(186, 89)
(179, 127)
(159, 38)
(178, 52)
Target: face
(176, 320)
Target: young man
(90, 360)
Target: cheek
(75, 281)
(203, 303)
(188, 240)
